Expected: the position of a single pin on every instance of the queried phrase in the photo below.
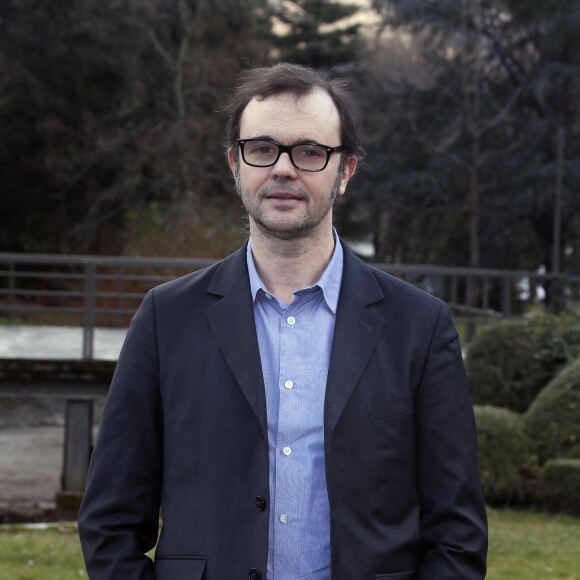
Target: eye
(261, 148)
(311, 152)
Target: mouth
(284, 197)
(284, 201)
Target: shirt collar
(329, 282)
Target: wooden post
(77, 453)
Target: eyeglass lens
(304, 156)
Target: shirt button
(291, 320)
(289, 384)
(286, 451)
(284, 518)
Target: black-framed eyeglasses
(304, 156)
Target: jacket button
(261, 503)
(254, 574)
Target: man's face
(281, 200)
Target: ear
(348, 172)
(231, 161)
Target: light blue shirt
(295, 342)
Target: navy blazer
(184, 429)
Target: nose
(283, 167)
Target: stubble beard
(300, 227)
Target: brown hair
(264, 82)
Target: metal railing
(91, 291)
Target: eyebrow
(300, 141)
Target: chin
(287, 231)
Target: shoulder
(202, 284)
(396, 288)
(394, 292)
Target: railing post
(89, 314)
(120, 288)
(469, 290)
(470, 298)
(506, 296)
(485, 293)
(11, 287)
(454, 289)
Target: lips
(283, 195)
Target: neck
(286, 266)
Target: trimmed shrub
(507, 463)
(561, 480)
(558, 338)
(504, 368)
(508, 364)
(553, 420)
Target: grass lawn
(533, 546)
(36, 554)
(523, 545)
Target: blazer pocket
(179, 568)
(390, 408)
(408, 575)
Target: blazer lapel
(232, 321)
(356, 333)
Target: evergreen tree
(108, 107)
(483, 126)
(60, 80)
(319, 33)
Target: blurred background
(113, 178)
(112, 131)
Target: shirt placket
(288, 481)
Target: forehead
(286, 119)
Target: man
(295, 413)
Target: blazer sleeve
(119, 516)
(453, 519)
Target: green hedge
(558, 338)
(507, 462)
(553, 420)
(509, 363)
(561, 480)
(503, 366)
